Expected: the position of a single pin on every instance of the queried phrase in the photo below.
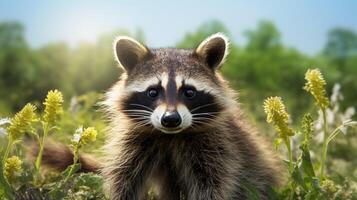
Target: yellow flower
(53, 106)
(89, 135)
(277, 115)
(21, 122)
(316, 86)
(329, 186)
(12, 168)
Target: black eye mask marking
(140, 104)
(202, 104)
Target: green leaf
(6, 188)
(76, 167)
(306, 164)
(277, 143)
(307, 128)
(298, 178)
(57, 194)
(272, 194)
(2, 193)
(91, 180)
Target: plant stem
(324, 146)
(291, 166)
(338, 129)
(8, 189)
(6, 155)
(290, 154)
(41, 144)
(7, 150)
(75, 160)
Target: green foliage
(262, 67)
(192, 40)
(30, 182)
(303, 181)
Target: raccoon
(177, 130)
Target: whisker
(203, 119)
(134, 104)
(138, 114)
(202, 106)
(143, 111)
(208, 113)
(203, 123)
(143, 124)
(140, 117)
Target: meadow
(305, 105)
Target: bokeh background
(67, 45)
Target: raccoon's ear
(213, 50)
(129, 52)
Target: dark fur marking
(202, 98)
(171, 93)
(141, 98)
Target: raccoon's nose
(171, 119)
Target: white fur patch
(156, 116)
(137, 44)
(184, 113)
(186, 116)
(141, 86)
(178, 80)
(200, 86)
(164, 80)
(204, 44)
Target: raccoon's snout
(171, 119)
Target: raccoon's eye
(189, 93)
(153, 93)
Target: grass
(307, 158)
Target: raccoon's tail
(58, 156)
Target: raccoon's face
(171, 90)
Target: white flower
(320, 121)
(330, 116)
(84, 135)
(4, 121)
(347, 116)
(76, 138)
(336, 95)
(73, 105)
(350, 111)
(319, 137)
(3, 132)
(77, 135)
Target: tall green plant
(304, 182)
(53, 110)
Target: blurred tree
(341, 44)
(93, 67)
(11, 35)
(265, 67)
(264, 64)
(192, 40)
(16, 70)
(265, 37)
(341, 54)
(52, 64)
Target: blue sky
(304, 24)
